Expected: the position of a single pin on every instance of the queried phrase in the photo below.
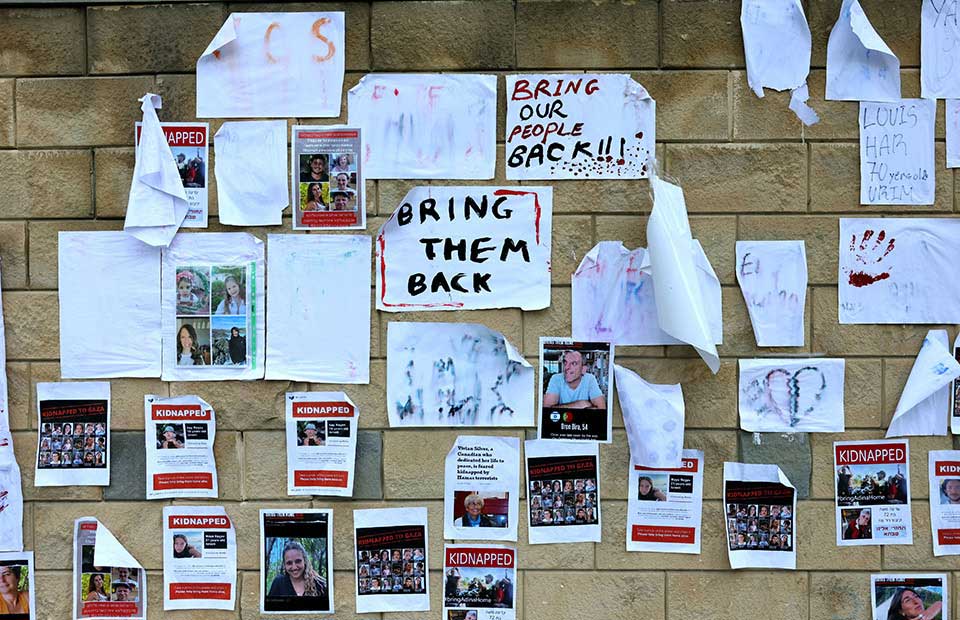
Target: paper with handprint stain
(773, 279)
(899, 270)
(925, 400)
(653, 416)
(792, 395)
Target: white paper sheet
(426, 125)
(157, 204)
(124, 581)
(495, 567)
(199, 558)
(899, 270)
(682, 308)
(384, 531)
(456, 374)
(953, 132)
(11, 496)
(285, 535)
(944, 472)
(321, 443)
(932, 587)
(179, 436)
(274, 65)
(482, 473)
(897, 152)
(576, 390)
(579, 126)
(251, 169)
(189, 143)
(318, 308)
(773, 279)
(753, 494)
(860, 66)
(61, 409)
(873, 492)
(925, 400)
(665, 506)
(555, 471)
(776, 43)
(109, 306)
(19, 563)
(613, 297)
(654, 417)
(198, 272)
(792, 395)
(939, 43)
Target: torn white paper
(925, 399)
(275, 65)
(682, 307)
(108, 582)
(761, 516)
(953, 132)
(157, 204)
(559, 472)
(109, 306)
(792, 395)
(321, 443)
(384, 536)
(773, 279)
(944, 487)
(189, 143)
(73, 439)
(776, 43)
(613, 297)
(179, 436)
(579, 126)
(939, 43)
(456, 374)
(481, 489)
(251, 169)
(665, 506)
(860, 66)
(23, 606)
(11, 495)
(426, 125)
(318, 308)
(199, 558)
(897, 152)
(653, 416)
(899, 270)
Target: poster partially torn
(481, 489)
(925, 399)
(939, 40)
(466, 248)
(296, 561)
(426, 125)
(897, 152)
(189, 144)
(456, 374)
(108, 582)
(251, 172)
(327, 178)
(792, 395)
(73, 441)
(318, 313)
(199, 558)
(479, 582)
(279, 65)
(665, 506)
(566, 476)
(321, 443)
(761, 516)
(945, 501)
(903, 595)
(873, 492)
(773, 279)
(391, 558)
(18, 601)
(860, 66)
(653, 416)
(11, 495)
(579, 126)
(576, 390)
(179, 434)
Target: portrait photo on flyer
(321, 443)
(945, 501)
(575, 391)
(761, 507)
(481, 490)
(296, 561)
(199, 558)
(665, 506)
(873, 492)
(563, 493)
(74, 434)
(327, 178)
(179, 437)
(17, 586)
(910, 596)
(391, 558)
(479, 582)
(108, 582)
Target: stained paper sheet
(108, 582)
(456, 374)
(873, 492)
(318, 308)
(953, 132)
(665, 506)
(199, 558)
(773, 279)
(179, 436)
(897, 152)
(613, 298)
(189, 143)
(20, 565)
(939, 43)
(792, 395)
(761, 516)
(682, 308)
(426, 125)
(494, 568)
(392, 559)
(776, 43)
(157, 203)
(11, 496)
(481, 489)
(566, 476)
(925, 400)
(944, 473)
(899, 270)
(932, 590)
(579, 126)
(251, 171)
(273, 65)
(73, 438)
(284, 535)
(860, 66)
(321, 443)
(466, 248)
(576, 390)
(109, 306)
(653, 416)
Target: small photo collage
(212, 316)
(72, 445)
(391, 571)
(763, 527)
(563, 502)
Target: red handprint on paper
(870, 252)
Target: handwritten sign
(940, 49)
(578, 126)
(897, 152)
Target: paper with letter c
(939, 44)
(925, 400)
(773, 279)
(653, 416)
(860, 66)
(750, 493)
(792, 395)
(100, 565)
(202, 574)
(485, 472)
(273, 65)
(251, 170)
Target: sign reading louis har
(466, 248)
(189, 143)
(478, 582)
(296, 561)
(576, 378)
(321, 443)
(873, 492)
(328, 189)
(897, 152)
(74, 438)
(576, 126)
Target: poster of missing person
(179, 437)
(479, 582)
(955, 393)
(575, 392)
(199, 558)
(563, 491)
(873, 492)
(481, 490)
(665, 506)
(910, 597)
(321, 443)
(17, 586)
(391, 557)
(74, 437)
(327, 178)
(945, 501)
(108, 582)
(190, 145)
(296, 561)
(761, 516)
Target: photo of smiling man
(576, 378)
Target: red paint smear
(216, 54)
(383, 284)
(536, 204)
(396, 92)
(861, 279)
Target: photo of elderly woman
(481, 509)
